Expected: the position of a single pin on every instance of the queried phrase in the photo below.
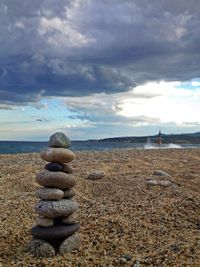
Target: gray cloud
(78, 48)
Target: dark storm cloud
(77, 48)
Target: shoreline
(119, 214)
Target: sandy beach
(121, 216)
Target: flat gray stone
(41, 248)
(45, 222)
(59, 180)
(49, 193)
(59, 139)
(54, 209)
(54, 232)
(54, 154)
(70, 243)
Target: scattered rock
(61, 155)
(122, 261)
(53, 209)
(49, 193)
(96, 175)
(54, 232)
(161, 173)
(165, 183)
(136, 263)
(127, 257)
(40, 248)
(59, 140)
(175, 248)
(152, 182)
(55, 179)
(70, 243)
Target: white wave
(174, 146)
(164, 146)
(148, 146)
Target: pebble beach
(133, 216)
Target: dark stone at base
(55, 232)
(69, 244)
(41, 248)
(58, 167)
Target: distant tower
(159, 139)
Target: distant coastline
(107, 144)
(184, 138)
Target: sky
(95, 69)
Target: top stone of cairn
(59, 140)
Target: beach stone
(58, 167)
(41, 248)
(54, 209)
(151, 182)
(122, 261)
(45, 222)
(72, 218)
(49, 193)
(67, 169)
(54, 232)
(54, 167)
(59, 180)
(96, 175)
(161, 173)
(165, 183)
(70, 243)
(127, 257)
(60, 155)
(69, 193)
(59, 139)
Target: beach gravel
(119, 214)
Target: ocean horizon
(14, 147)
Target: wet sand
(119, 214)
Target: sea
(13, 147)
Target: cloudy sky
(96, 69)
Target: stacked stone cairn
(56, 228)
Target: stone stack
(56, 228)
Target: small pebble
(122, 261)
(127, 257)
(165, 183)
(96, 175)
(136, 264)
(161, 173)
(152, 182)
